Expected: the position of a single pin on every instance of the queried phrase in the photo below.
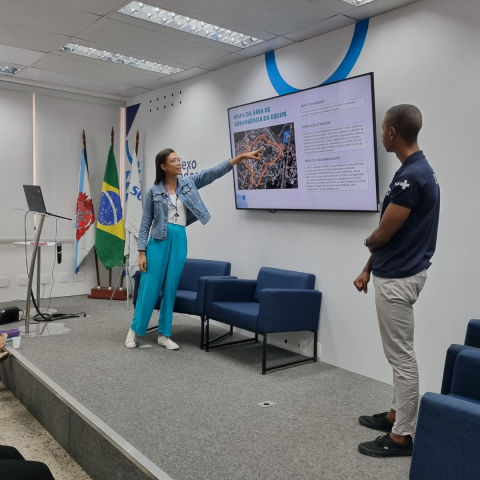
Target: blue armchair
(472, 342)
(278, 301)
(447, 440)
(190, 297)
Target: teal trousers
(165, 261)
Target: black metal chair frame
(265, 370)
(202, 333)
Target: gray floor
(196, 415)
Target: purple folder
(15, 332)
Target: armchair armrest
(472, 338)
(220, 290)
(466, 374)
(446, 440)
(202, 286)
(450, 360)
(289, 310)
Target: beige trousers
(394, 299)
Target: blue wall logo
(341, 73)
(189, 167)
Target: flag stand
(105, 293)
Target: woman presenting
(171, 204)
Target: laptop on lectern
(35, 201)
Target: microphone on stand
(59, 253)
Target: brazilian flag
(110, 235)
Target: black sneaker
(386, 447)
(378, 421)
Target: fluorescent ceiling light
(188, 24)
(120, 59)
(357, 3)
(9, 70)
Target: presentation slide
(318, 149)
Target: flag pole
(86, 164)
(110, 271)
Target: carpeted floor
(195, 414)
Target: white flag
(85, 226)
(134, 215)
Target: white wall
(16, 161)
(425, 54)
(58, 125)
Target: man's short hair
(406, 120)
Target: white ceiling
(33, 31)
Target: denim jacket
(155, 210)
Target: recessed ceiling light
(188, 24)
(357, 3)
(119, 59)
(9, 70)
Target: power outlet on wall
(80, 277)
(22, 281)
(64, 277)
(4, 282)
(44, 279)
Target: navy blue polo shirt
(414, 186)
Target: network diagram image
(277, 167)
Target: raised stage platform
(190, 415)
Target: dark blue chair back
(277, 278)
(195, 268)
(192, 271)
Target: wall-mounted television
(319, 149)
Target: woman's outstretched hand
(252, 155)
(255, 155)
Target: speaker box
(9, 315)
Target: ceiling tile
(377, 8)
(332, 23)
(178, 77)
(274, 16)
(30, 38)
(78, 67)
(142, 41)
(265, 47)
(99, 7)
(223, 62)
(46, 16)
(71, 81)
(19, 55)
(209, 18)
(135, 91)
(337, 6)
(162, 82)
(138, 22)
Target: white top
(182, 211)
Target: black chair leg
(207, 334)
(231, 330)
(264, 355)
(202, 333)
(256, 338)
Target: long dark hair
(161, 159)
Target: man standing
(401, 248)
